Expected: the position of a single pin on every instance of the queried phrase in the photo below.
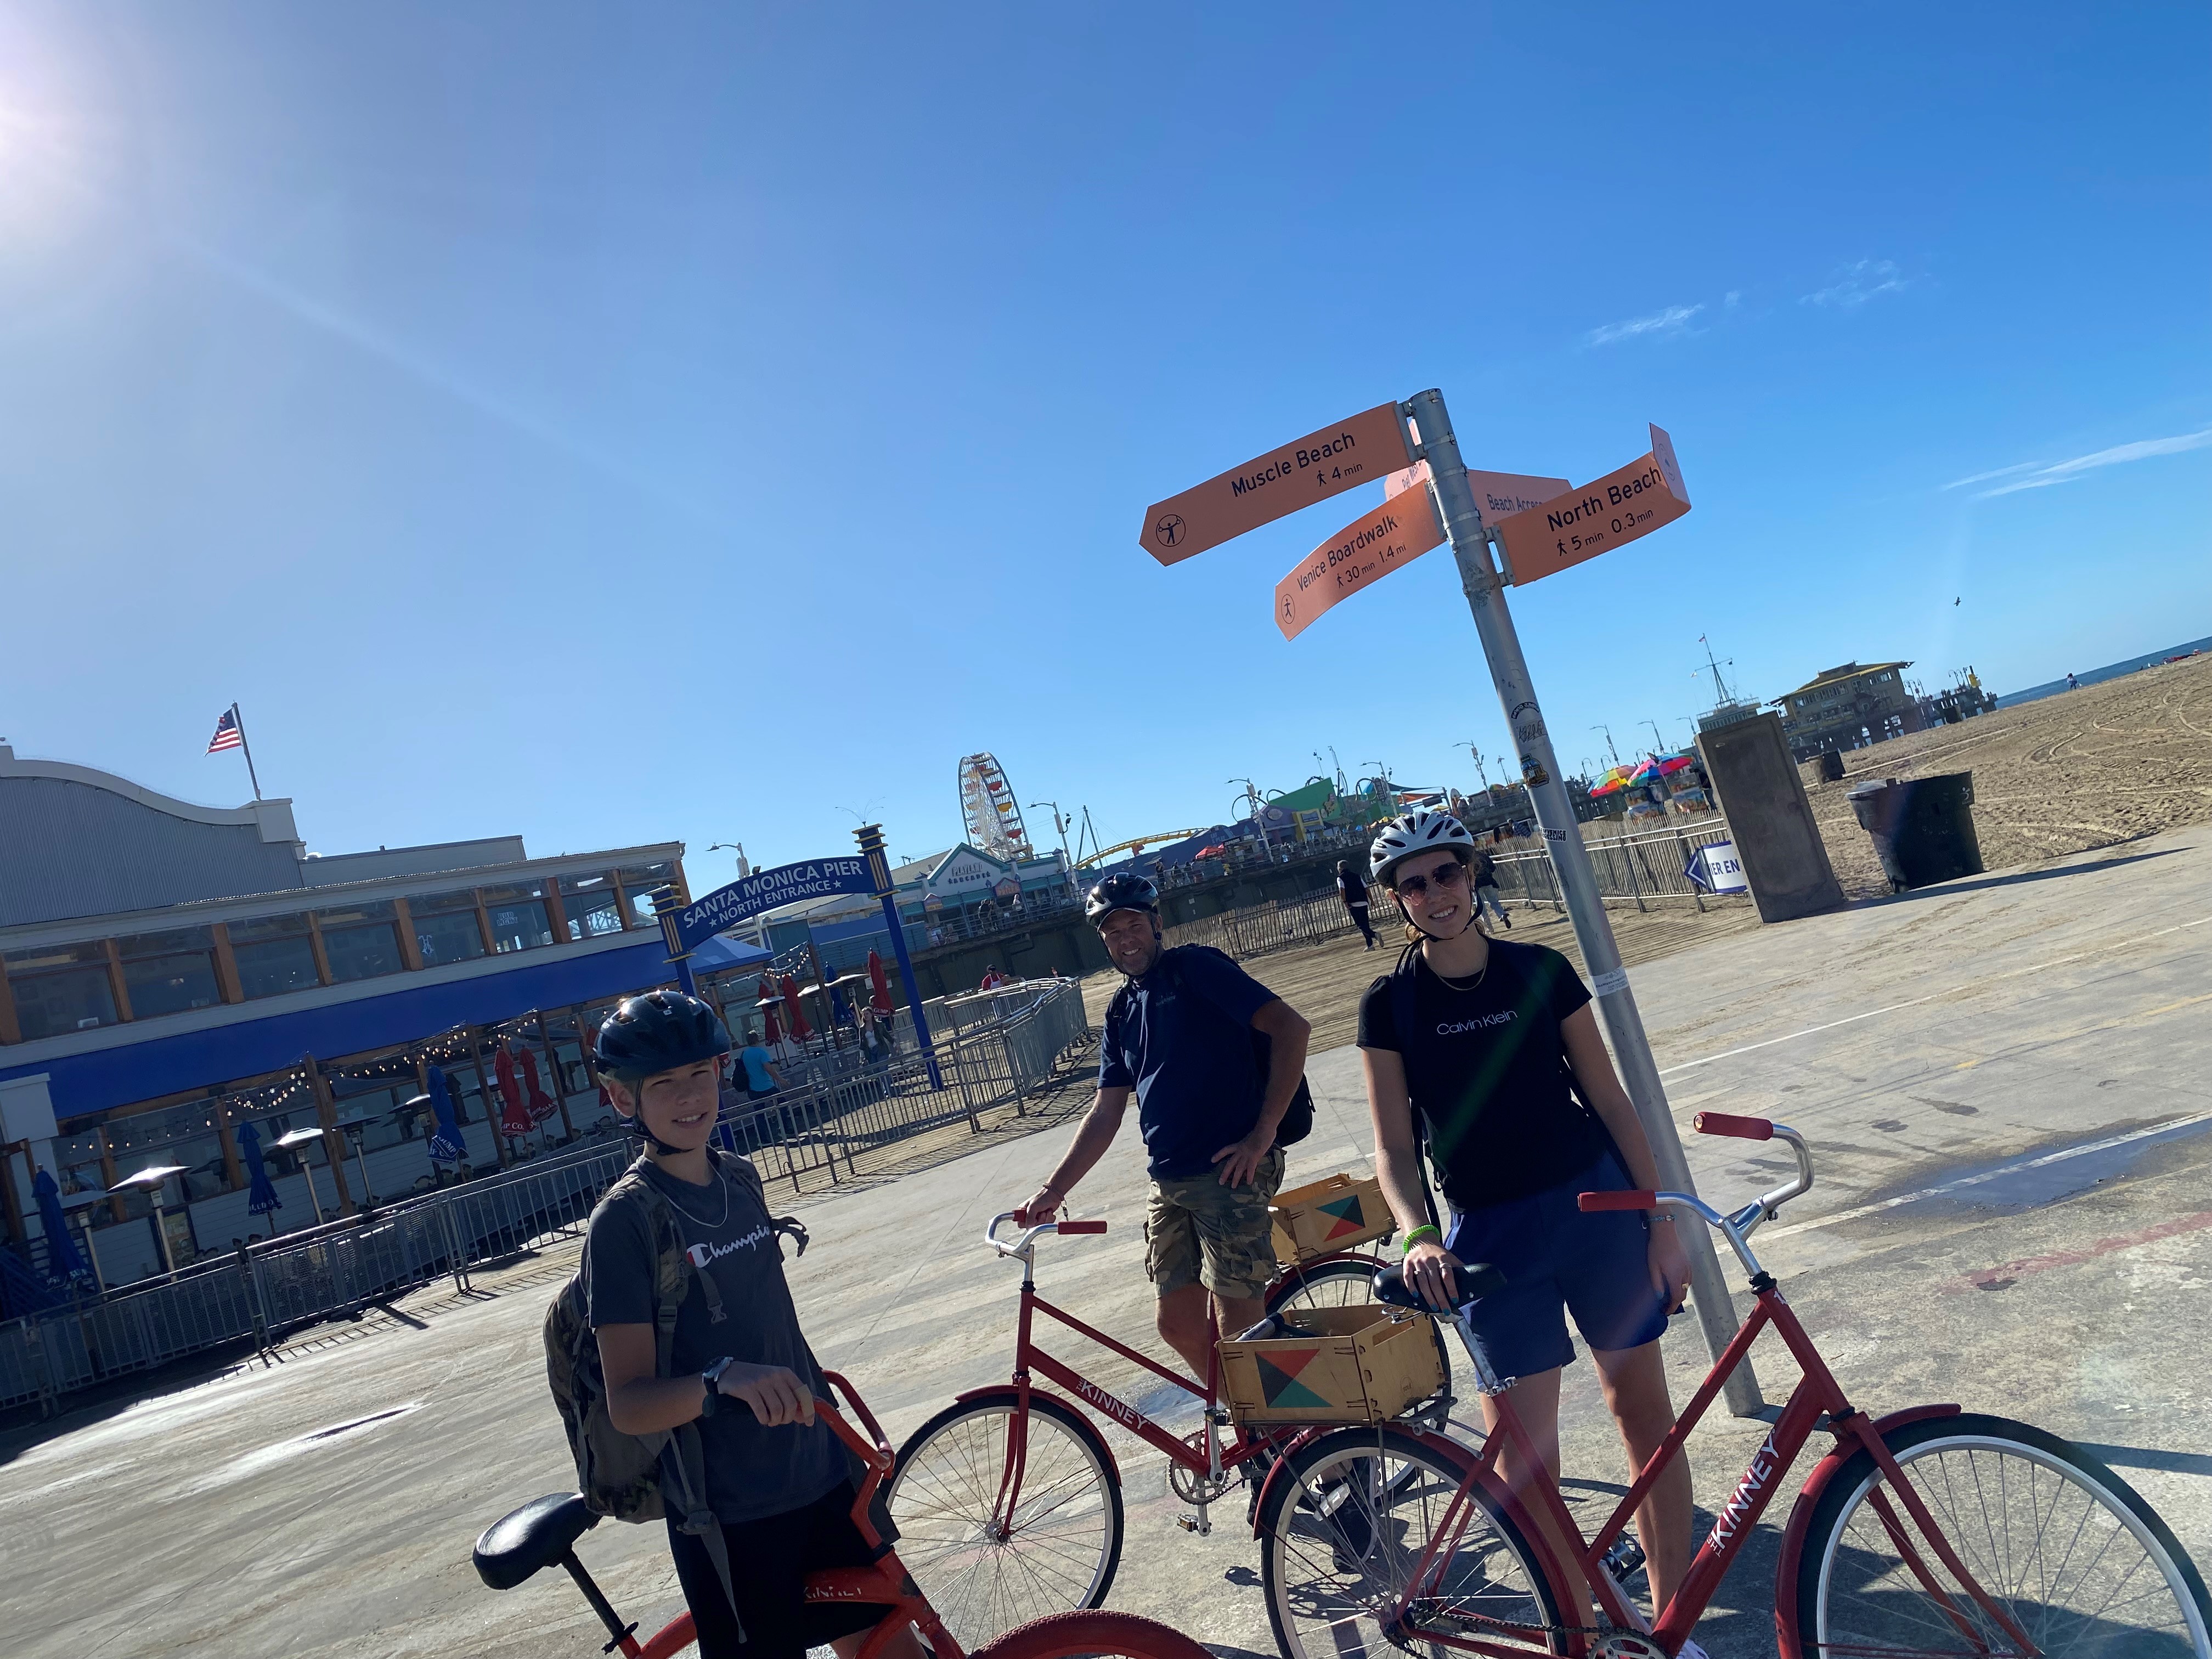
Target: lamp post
(81, 1203)
(300, 1139)
(1059, 828)
(739, 847)
(150, 1181)
(1250, 799)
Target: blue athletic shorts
(1556, 1260)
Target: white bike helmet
(1419, 831)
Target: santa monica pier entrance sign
(688, 926)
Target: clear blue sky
(618, 425)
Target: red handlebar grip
(1636, 1200)
(1726, 1123)
(1083, 1226)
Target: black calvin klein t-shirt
(1486, 1070)
(752, 1471)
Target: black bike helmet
(1121, 892)
(658, 1032)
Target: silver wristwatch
(711, 1376)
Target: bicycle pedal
(1623, 1557)
(1191, 1523)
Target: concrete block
(1763, 796)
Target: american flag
(227, 734)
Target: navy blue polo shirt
(1181, 1037)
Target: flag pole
(239, 721)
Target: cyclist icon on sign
(1168, 530)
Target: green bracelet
(1415, 1234)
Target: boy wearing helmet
(776, 1477)
(1494, 1046)
(1179, 1037)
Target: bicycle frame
(885, 1582)
(1818, 1401)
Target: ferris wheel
(992, 816)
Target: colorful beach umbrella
(1658, 766)
(1615, 778)
(261, 1192)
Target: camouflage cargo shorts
(1198, 1231)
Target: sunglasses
(1444, 875)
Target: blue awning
(407, 1013)
(718, 953)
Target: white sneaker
(1689, 1649)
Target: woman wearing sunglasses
(1494, 1046)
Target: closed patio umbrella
(63, 1259)
(260, 1192)
(514, 1115)
(541, 1105)
(794, 1016)
(881, 982)
(446, 1145)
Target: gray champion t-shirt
(751, 1471)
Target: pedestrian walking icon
(1168, 530)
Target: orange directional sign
(1311, 469)
(1500, 495)
(1605, 513)
(1358, 555)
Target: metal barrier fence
(260, 1291)
(1640, 868)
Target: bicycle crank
(1197, 1485)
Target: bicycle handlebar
(1739, 1227)
(1726, 1123)
(1021, 1246)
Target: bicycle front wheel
(1348, 1521)
(1109, 1635)
(1348, 1282)
(986, 1572)
(2080, 1564)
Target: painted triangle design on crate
(1279, 1377)
(1345, 1215)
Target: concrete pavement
(1948, 1054)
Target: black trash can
(1923, 828)
(1831, 766)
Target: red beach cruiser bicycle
(1930, 1531)
(543, 1533)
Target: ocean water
(2109, 671)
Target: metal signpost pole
(1540, 770)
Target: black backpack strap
(684, 1468)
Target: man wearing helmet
(1180, 1036)
(776, 1477)
(1493, 1047)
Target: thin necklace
(674, 1203)
(1451, 984)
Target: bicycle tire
(944, 1487)
(1067, 1634)
(1343, 1282)
(1329, 1569)
(1856, 1594)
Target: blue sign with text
(768, 889)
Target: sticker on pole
(1497, 494)
(1370, 547)
(1716, 868)
(1603, 514)
(1369, 445)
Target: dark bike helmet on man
(658, 1032)
(1121, 892)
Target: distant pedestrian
(2072, 685)
(1487, 889)
(1354, 894)
(752, 1069)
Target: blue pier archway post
(870, 837)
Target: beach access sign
(1500, 495)
(1603, 514)
(1359, 450)
(768, 890)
